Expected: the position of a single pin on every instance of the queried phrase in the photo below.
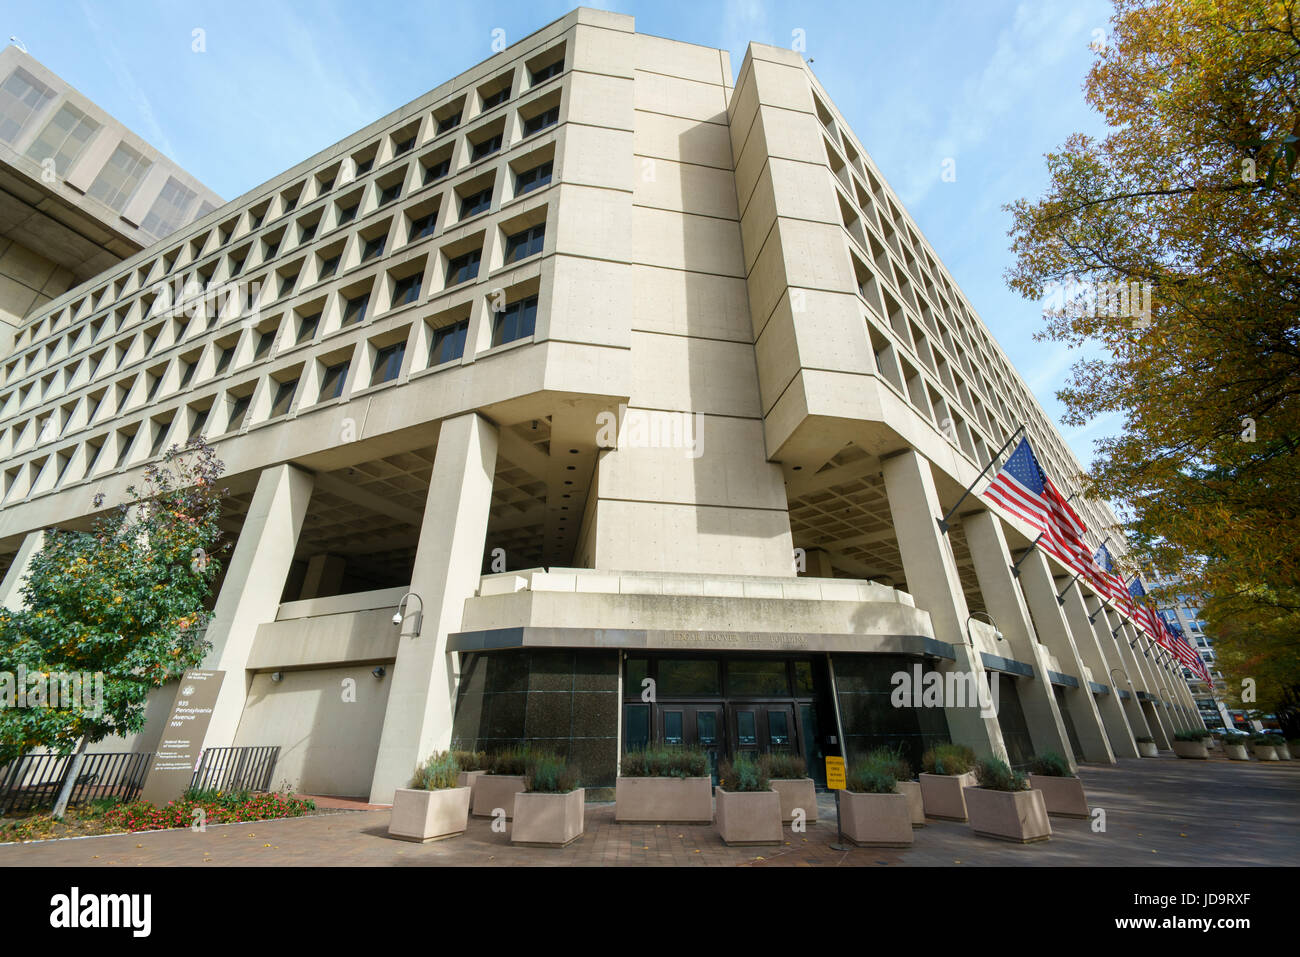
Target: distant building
(1185, 615)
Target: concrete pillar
(324, 576)
(11, 595)
(448, 562)
(1123, 672)
(1091, 653)
(1054, 631)
(932, 580)
(1002, 597)
(1157, 719)
(817, 562)
(250, 594)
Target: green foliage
(439, 772)
(1197, 735)
(1050, 764)
(995, 775)
(891, 761)
(872, 778)
(472, 760)
(1144, 739)
(512, 760)
(551, 774)
(743, 774)
(948, 759)
(665, 762)
(1265, 741)
(125, 599)
(784, 766)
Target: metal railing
(34, 780)
(236, 769)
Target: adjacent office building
(602, 395)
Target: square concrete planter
(1063, 797)
(663, 801)
(1266, 752)
(425, 816)
(1284, 752)
(943, 794)
(492, 791)
(1191, 749)
(1236, 752)
(466, 779)
(548, 820)
(915, 803)
(749, 818)
(796, 793)
(876, 820)
(1148, 749)
(1016, 816)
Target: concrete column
(11, 595)
(1091, 653)
(1157, 719)
(448, 562)
(932, 580)
(817, 562)
(324, 576)
(1054, 631)
(250, 594)
(1123, 670)
(1002, 597)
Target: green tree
(125, 600)
(1194, 196)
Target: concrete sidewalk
(1163, 811)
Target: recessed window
(307, 326)
(526, 243)
(283, 397)
(286, 284)
(159, 437)
(388, 363)
(308, 232)
(404, 146)
(187, 373)
(534, 178)
(463, 267)
(448, 123)
(168, 211)
(546, 72)
(330, 265)
(476, 203)
(438, 170)
(541, 121)
(63, 139)
(373, 248)
(200, 420)
(332, 382)
(264, 345)
(365, 165)
(355, 309)
(254, 220)
(223, 361)
(517, 321)
(117, 181)
(486, 147)
(390, 193)
(347, 214)
(496, 99)
(449, 343)
(22, 96)
(424, 226)
(407, 290)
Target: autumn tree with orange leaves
(1190, 205)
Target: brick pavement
(1161, 811)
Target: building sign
(835, 773)
(182, 738)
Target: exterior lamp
(997, 632)
(400, 615)
(378, 671)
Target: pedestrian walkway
(1162, 811)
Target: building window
(168, 212)
(21, 97)
(283, 397)
(355, 309)
(486, 147)
(117, 181)
(449, 343)
(264, 345)
(63, 139)
(388, 363)
(238, 412)
(546, 72)
(347, 214)
(524, 244)
(308, 232)
(332, 382)
(424, 226)
(159, 437)
(463, 267)
(187, 374)
(330, 266)
(476, 203)
(407, 290)
(307, 327)
(516, 321)
(449, 123)
(534, 178)
(496, 99)
(438, 170)
(390, 193)
(405, 146)
(373, 247)
(365, 165)
(541, 121)
(200, 420)
(223, 361)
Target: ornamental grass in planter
(472, 765)
(1235, 749)
(495, 790)
(945, 774)
(1264, 746)
(664, 786)
(789, 776)
(435, 806)
(1005, 807)
(749, 811)
(1062, 791)
(872, 812)
(896, 765)
(1191, 744)
(550, 812)
(1147, 746)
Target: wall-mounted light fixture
(401, 614)
(997, 632)
(378, 671)
(277, 676)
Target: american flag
(1185, 652)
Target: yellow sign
(835, 773)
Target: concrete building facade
(631, 383)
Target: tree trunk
(69, 779)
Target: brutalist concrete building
(625, 384)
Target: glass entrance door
(693, 726)
(761, 728)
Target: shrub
(1144, 739)
(948, 759)
(439, 772)
(472, 760)
(994, 774)
(1265, 740)
(892, 762)
(1191, 735)
(551, 774)
(219, 807)
(870, 778)
(744, 774)
(1050, 765)
(665, 763)
(513, 760)
(784, 766)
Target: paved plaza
(1159, 812)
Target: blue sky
(991, 84)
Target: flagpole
(943, 522)
(1060, 599)
(1015, 568)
